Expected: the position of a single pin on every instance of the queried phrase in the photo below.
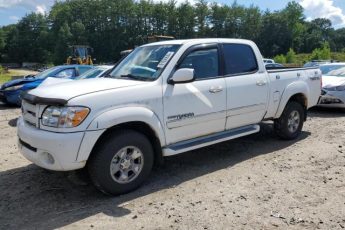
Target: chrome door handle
(261, 83)
(216, 89)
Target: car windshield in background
(144, 63)
(333, 70)
(92, 73)
(46, 73)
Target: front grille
(30, 112)
(327, 100)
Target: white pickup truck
(163, 99)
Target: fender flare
(123, 115)
(294, 88)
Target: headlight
(14, 87)
(337, 88)
(64, 117)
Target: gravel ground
(256, 182)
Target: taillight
(321, 82)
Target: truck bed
(285, 69)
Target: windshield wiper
(134, 77)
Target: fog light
(48, 158)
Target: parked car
(333, 85)
(10, 91)
(268, 61)
(96, 72)
(315, 63)
(273, 65)
(163, 99)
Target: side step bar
(185, 146)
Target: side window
(83, 69)
(204, 63)
(66, 73)
(239, 59)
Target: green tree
(63, 41)
(291, 56)
(280, 59)
(202, 17)
(323, 53)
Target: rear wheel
(121, 163)
(290, 123)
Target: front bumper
(332, 98)
(10, 97)
(53, 151)
(2, 97)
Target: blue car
(10, 91)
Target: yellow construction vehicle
(80, 55)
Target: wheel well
(139, 127)
(301, 99)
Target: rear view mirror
(184, 75)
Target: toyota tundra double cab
(163, 99)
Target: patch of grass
(4, 77)
(7, 75)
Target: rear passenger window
(239, 59)
(204, 63)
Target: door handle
(216, 89)
(261, 83)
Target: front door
(198, 108)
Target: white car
(163, 99)
(333, 85)
(268, 61)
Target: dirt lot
(256, 182)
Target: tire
(287, 127)
(113, 162)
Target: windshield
(144, 63)
(46, 73)
(333, 70)
(92, 73)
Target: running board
(200, 142)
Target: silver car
(333, 85)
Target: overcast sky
(12, 10)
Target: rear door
(247, 87)
(198, 108)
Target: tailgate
(314, 81)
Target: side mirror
(184, 75)
(30, 76)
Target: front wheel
(289, 125)
(121, 163)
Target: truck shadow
(324, 112)
(50, 200)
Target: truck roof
(200, 40)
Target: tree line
(110, 26)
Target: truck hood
(71, 89)
(54, 80)
(332, 81)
